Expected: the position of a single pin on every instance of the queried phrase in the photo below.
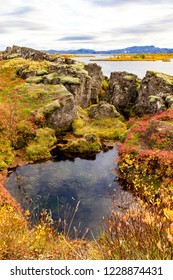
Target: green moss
(105, 84)
(89, 144)
(169, 98)
(40, 147)
(6, 153)
(66, 79)
(153, 98)
(167, 78)
(50, 108)
(138, 84)
(128, 78)
(79, 67)
(107, 128)
(14, 55)
(50, 77)
(41, 72)
(34, 79)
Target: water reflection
(63, 185)
(138, 68)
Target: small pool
(77, 191)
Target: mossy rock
(39, 148)
(52, 77)
(154, 98)
(13, 56)
(90, 143)
(128, 78)
(34, 79)
(167, 78)
(107, 128)
(66, 79)
(79, 68)
(41, 72)
(50, 108)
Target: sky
(89, 24)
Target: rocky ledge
(61, 95)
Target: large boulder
(95, 72)
(28, 53)
(102, 110)
(123, 91)
(60, 113)
(156, 93)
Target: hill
(130, 50)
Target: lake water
(62, 185)
(135, 67)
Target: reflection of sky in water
(60, 185)
(138, 68)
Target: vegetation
(144, 231)
(105, 128)
(146, 158)
(138, 57)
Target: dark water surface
(63, 185)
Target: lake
(135, 67)
(87, 189)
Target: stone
(29, 53)
(95, 72)
(60, 113)
(156, 93)
(102, 110)
(123, 92)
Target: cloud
(107, 3)
(22, 11)
(99, 24)
(77, 38)
(9, 26)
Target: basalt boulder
(60, 113)
(102, 110)
(95, 72)
(156, 93)
(29, 53)
(123, 92)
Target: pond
(138, 68)
(79, 191)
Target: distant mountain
(130, 50)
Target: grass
(143, 232)
(138, 233)
(138, 57)
(106, 128)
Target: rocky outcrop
(28, 53)
(131, 96)
(83, 81)
(102, 110)
(95, 72)
(156, 93)
(60, 113)
(123, 92)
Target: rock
(94, 71)
(28, 53)
(156, 93)
(90, 143)
(60, 113)
(83, 81)
(102, 110)
(123, 92)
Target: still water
(135, 67)
(61, 186)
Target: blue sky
(92, 24)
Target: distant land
(130, 50)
